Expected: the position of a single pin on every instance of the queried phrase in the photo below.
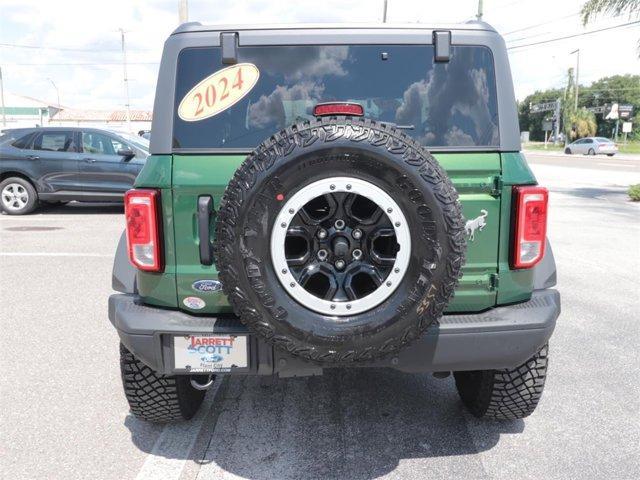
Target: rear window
(450, 104)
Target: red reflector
(530, 226)
(338, 108)
(143, 229)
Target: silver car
(592, 146)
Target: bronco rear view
(334, 196)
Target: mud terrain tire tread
(327, 129)
(157, 398)
(505, 394)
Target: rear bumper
(502, 337)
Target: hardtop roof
(470, 25)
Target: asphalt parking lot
(64, 414)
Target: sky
(75, 45)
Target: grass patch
(540, 146)
(634, 192)
(630, 147)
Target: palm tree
(592, 8)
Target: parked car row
(60, 164)
(592, 146)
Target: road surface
(64, 414)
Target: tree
(592, 8)
(582, 123)
(569, 107)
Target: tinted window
(55, 142)
(101, 144)
(448, 104)
(23, 141)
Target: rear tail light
(143, 229)
(530, 226)
(338, 108)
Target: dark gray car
(60, 164)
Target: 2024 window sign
(218, 92)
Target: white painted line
(615, 164)
(55, 254)
(173, 447)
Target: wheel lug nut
(339, 224)
(357, 234)
(322, 234)
(340, 264)
(322, 255)
(397, 224)
(357, 254)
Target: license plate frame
(210, 353)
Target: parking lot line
(173, 447)
(55, 254)
(614, 164)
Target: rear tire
(17, 196)
(591, 152)
(154, 397)
(610, 154)
(504, 394)
(567, 151)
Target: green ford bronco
(334, 196)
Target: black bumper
(502, 337)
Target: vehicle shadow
(81, 208)
(348, 423)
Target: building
(110, 119)
(21, 111)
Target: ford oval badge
(206, 286)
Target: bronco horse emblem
(477, 223)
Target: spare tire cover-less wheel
(340, 240)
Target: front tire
(567, 151)
(154, 397)
(506, 394)
(17, 196)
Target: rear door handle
(33, 157)
(89, 160)
(205, 210)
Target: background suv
(60, 164)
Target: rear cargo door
(476, 177)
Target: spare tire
(340, 240)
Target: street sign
(600, 109)
(542, 107)
(625, 111)
(547, 125)
(626, 127)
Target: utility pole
(577, 52)
(556, 127)
(183, 11)
(126, 80)
(4, 116)
(479, 14)
(57, 91)
(384, 12)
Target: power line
(65, 49)
(541, 24)
(574, 35)
(77, 64)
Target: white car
(592, 146)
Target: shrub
(634, 192)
